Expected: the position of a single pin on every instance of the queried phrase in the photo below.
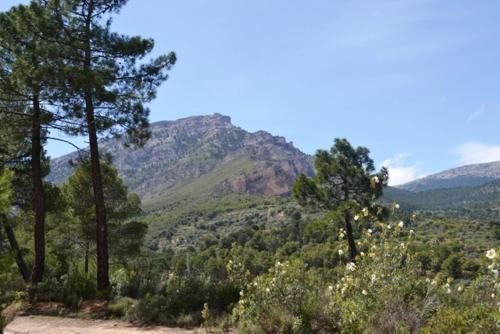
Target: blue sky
(416, 81)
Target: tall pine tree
(27, 86)
(108, 84)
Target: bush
(479, 319)
(452, 266)
(121, 307)
(285, 300)
(69, 289)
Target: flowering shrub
(285, 300)
(387, 290)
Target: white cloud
(476, 113)
(475, 152)
(399, 172)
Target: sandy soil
(57, 325)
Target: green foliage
(121, 307)
(473, 319)
(71, 289)
(452, 266)
(125, 236)
(285, 300)
(5, 190)
(342, 174)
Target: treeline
(63, 69)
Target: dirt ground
(56, 325)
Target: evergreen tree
(109, 82)
(27, 85)
(344, 180)
(125, 236)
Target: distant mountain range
(204, 157)
(465, 176)
(201, 155)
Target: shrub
(479, 319)
(120, 307)
(285, 300)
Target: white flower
(401, 224)
(412, 232)
(365, 212)
(448, 290)
(341, 235)
(375, 179)
(460, 288)
(373, 278)
(268, 290)
(351, 266)
(389, 226)
(396, 206)
(370, 231)
(364, 292)
(330, 288)
(493, 296)
(491, 254)
(402, 245)
(341, 252)
(356, 217)
(241, 293)
(362, 253)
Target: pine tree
(108, 83)
(344, 180)
(27, 84)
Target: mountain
(447, 198)
(465, 176)
(201, 155)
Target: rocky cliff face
(202, 154)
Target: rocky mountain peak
(202, 154)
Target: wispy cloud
(476, 152)
(400, 172)
(474, 115)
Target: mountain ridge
(463, 176)
(201, 154)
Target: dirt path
(56, 325)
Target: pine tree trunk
(23, 269)
(86, 260)
(38, 194)
(101, 224)
(350, 237)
